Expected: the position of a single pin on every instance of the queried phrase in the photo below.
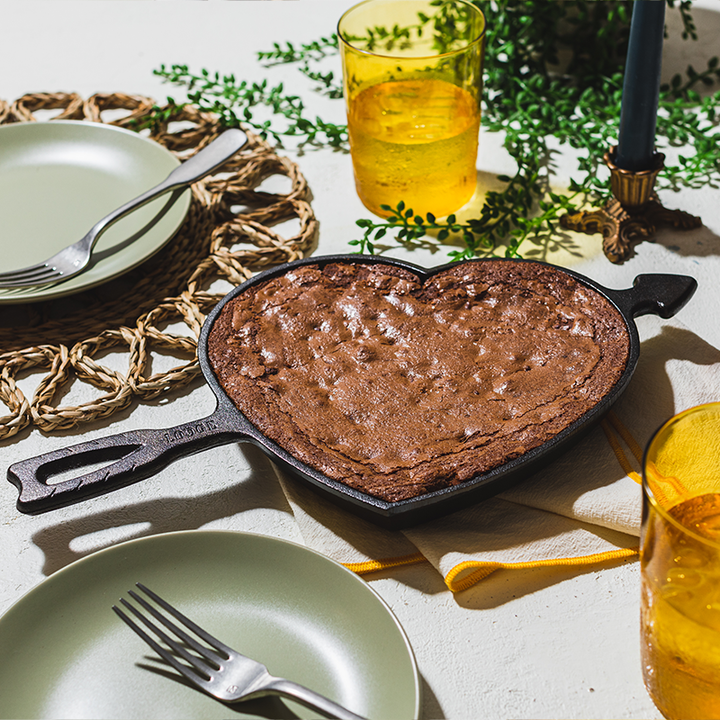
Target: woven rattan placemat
(228, 234)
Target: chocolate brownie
(398, 386)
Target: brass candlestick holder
(633, 214)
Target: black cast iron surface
(139, 454)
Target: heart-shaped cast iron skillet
(136, 455)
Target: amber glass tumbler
(412, 72)
(680, 565)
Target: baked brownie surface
(398, 387)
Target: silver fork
(218, 670)
(74, 258)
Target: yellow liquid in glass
(681, 614)
(415, 141)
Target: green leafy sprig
(235, 102)
(410, 228)
(307, 55)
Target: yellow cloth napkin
(581, 509)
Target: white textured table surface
(538, 644)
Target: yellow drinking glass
(680, 565)
(412, 72)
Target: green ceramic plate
(67, 655)
(58, 178)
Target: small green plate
(67, 655)
(58, 178)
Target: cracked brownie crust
(398, 387)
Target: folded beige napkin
(583, 508)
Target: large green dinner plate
(67, 655)
(58, 178)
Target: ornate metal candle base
(633, 214)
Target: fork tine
(194, 644)
(24, 272)
(172, 644)
(200, 632)
(184, 670)
(39, 276)
(202, 669)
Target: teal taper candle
(641, 86)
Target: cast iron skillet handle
(662, 295)
(136, 454)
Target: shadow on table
(430, 705)
(161, 515)
(702, 242)
(679, 53)
(504, 586)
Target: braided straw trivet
(215, 242)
